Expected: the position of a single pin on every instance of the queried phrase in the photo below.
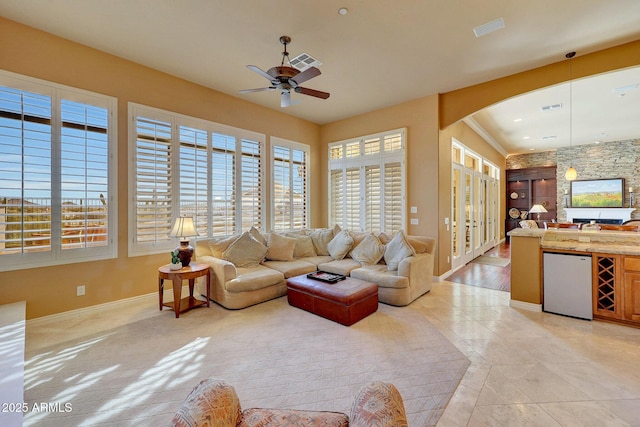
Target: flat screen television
(597, 193)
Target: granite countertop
(612, 242)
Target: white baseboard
(442, 277)
(529, 306)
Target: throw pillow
(245, 252)
(304, 246)
(280, 248)
(220, 244)
(256, 234)
(384, 238)
(357, 238)
(369, 252)
(397, 250)
(418, 246)
(340, 245)
(321, 238)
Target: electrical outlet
(414, 221)
(80, 290)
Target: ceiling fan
(285, 78)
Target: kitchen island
(616, 269)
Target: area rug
(137, 366)
(492, 260)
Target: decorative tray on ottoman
(323, 276)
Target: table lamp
(183, 227)
(537, 209)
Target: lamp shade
(537, 209)
(183, 226)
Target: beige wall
(420, 117)
(51, 290)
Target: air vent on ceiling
(551, 107)
(489, 27)
(622, 90)
(304, 61)
(546, 138)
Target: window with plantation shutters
(367, 182)
(289, 185)
(153, 180)
(191, 167)
(57, 147)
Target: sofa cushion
(385, 238)
(397, 250)
(340, 245)
(369, 252)
(304, 246)
(357, 238)
(291, 268)
(318, 259)
(418, 245)
(259, 417)
(339, 266)
(381, 275)
(256, 234)
(218, 245)
(254, 278)
(280, 248)
(321, 238)
(245, 252)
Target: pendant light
(571, 173)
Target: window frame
(291, 145)
(57, 93)
(177, 121)
(358, 153)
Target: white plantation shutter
(56, 151)
(251, 185)
(84, 175)
(367, 182)
(352, 199)
(25, 168)
(289, 185)
(336, 197)
(373, 199)
(194, 194)
(153, 180)
(192, 167)
(223, 192)
(393, 197)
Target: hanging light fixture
(571, 173)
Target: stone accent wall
(532, 160)
(620, 159)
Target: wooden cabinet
(607, 286)
(528, 187)
(632, 289)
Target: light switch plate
(414, 221)
(414, 209)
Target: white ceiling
(381, 53)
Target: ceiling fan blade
(307, 74)
(261, 89)
(312, 92)
(285, 99)
(259, 71)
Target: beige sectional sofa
(253, 267)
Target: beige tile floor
(535, 369)
(526, 368)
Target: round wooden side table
(190, 273)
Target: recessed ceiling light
(597, 142)
(489, 27)
(343, 11)
(531, 149)
(517, 120)
(526, 137)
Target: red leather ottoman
(345, 302)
